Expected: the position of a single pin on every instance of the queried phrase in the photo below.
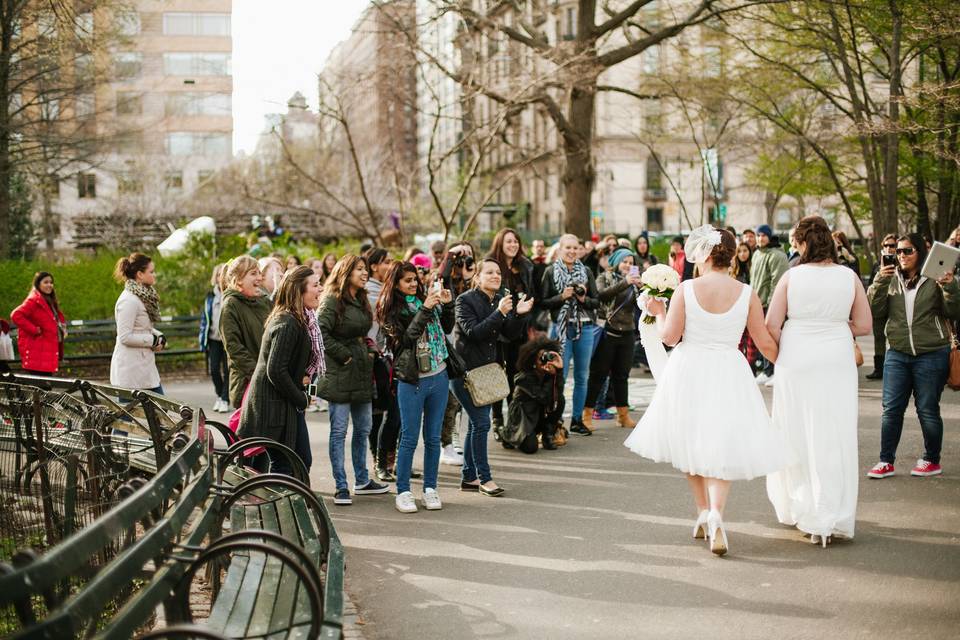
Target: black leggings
(384, 432)
(511, 351)
(613, 357)
(217, 357)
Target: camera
(579, 290)
(546, 357)
(461, 260)
(887, 261)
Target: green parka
(767, 266)
(934, 305)
(241, 328)
(349, 360)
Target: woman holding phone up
(617, 289)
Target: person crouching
(536, 406)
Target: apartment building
(164, 114)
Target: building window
(204, 176)
(196, 24)
(83, 25)
(196, 64)
(129, 103)
(47, 25)
(83, 68)
(174, 179)
(570, 24)
(653, 115)
(49, 109)
(128, 182)
(655, 219)
(712, 62)
(198, 104)
(654, 179)
(87, 185)
(130, 143)
(127, 65)
(128, 23)
(650, 60)
(84, 106)
(185, 143)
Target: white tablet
(942, 258)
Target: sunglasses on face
(907, 251)
(889, 246)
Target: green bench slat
(246, 599)
(223, 604)
(262, 616)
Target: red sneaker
(881, 470)
(926, 468)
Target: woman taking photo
(614, 355)
(570, 293)
(482, 317)
(244, 313)
(211, 344)
(916, 312)
(517, 278)
(845, 254)
(345, 319)
(536, 404)
(414, 324)
(41, 328)
(137, 311)
(291, 354)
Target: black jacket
(276, 389)
(478, 326)
(537, 403)
(619, 298)
(553, 302)
(403, 336)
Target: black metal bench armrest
(229, 436)
(181, 594)
(236, 452)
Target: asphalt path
(591, 541)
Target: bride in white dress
(815, 398)
(707, 416)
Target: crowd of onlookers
(400, 348)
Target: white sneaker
(313, 407)
(431, 500)
(762, 378)
(406, 504)
(219, 406)
(450, 456)
(769, 382)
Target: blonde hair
(236, 270)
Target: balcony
(653, 195)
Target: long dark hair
(289, 295)
(527, 356)
(508, 272)
(52, 298)
(338, 284)
(391, 302)
(814, 233)
(457, 285)
(920, 246)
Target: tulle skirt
(708, 418)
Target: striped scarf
(317, 364)
(570, 311)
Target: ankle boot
(623, 418)
(546, 440)
(586, 419)
(877, 373)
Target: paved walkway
(592, 541)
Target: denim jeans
(301, 447)
(475, 463)
(580, 351)
(421, 404)
(340, 413)
(924, 376)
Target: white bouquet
(658, 282)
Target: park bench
(277, 573)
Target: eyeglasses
(906, 251)
(889, 246)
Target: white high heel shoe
(717, 534)
(700, 528)
(821, 540)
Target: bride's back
(715, 309)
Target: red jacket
(37, 335)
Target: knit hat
(422, 261)
(765, 230)
(618, 256)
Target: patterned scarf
(148, 296)
(317, 364)
(570, 311)
(434, 333)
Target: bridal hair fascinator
(700, 243)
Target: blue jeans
(301, 446)
(475, 464)
(924, 376)
(580, 350)
(422, 403)
(340, 413)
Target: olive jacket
(241, 329)
(349, 356)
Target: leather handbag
(857, 354)
(486, 384)
(953, 376)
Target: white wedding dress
(707, 416)
(815, 403)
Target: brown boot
(560, 436)
(623, 418)
(587, 418)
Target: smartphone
(887, 261)
(634, 270)
(437, 286)
(312, 390)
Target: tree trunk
(579, 174)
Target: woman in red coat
(41, 328)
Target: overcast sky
(278, 48)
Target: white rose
(660, 277)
